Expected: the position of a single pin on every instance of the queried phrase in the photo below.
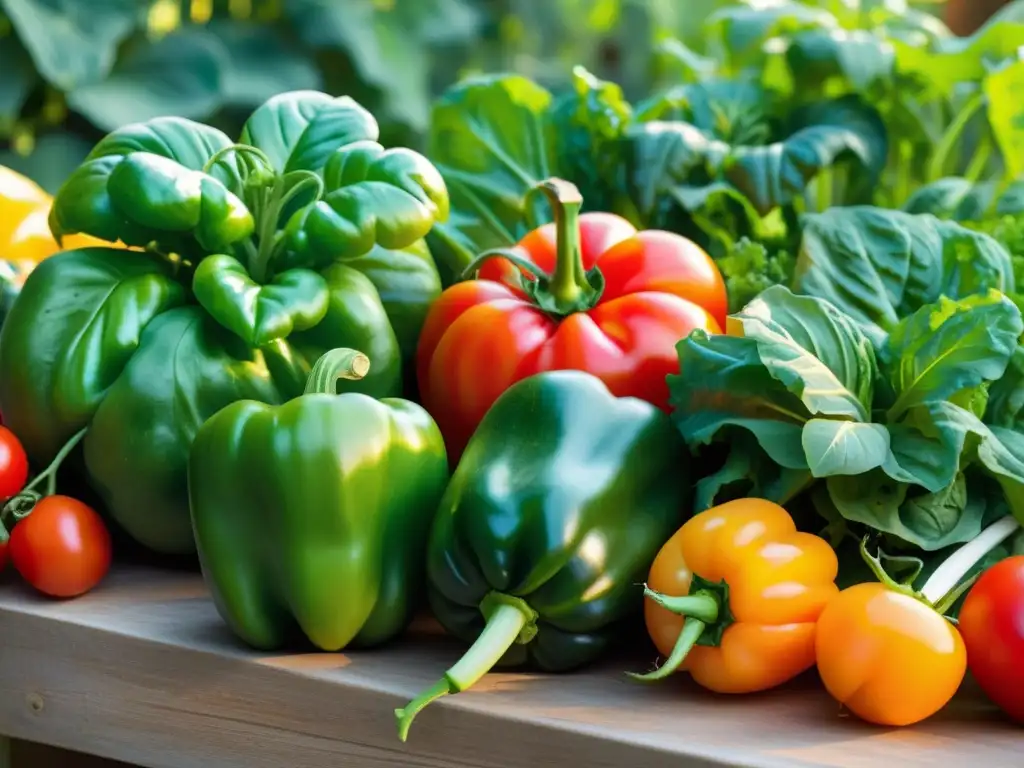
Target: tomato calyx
(708, 615)
(21, 504)
(947, 584)
(569, 288)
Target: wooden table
(143, 671)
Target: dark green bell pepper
(312, 515)
(557, 508)
(255, 258)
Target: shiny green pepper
(313, 514)
(559, 505)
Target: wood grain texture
(142, 670)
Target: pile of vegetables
(740, 364)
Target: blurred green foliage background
(72, 70)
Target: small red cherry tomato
(13, 464)
(62, 547)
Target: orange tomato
(776, 581)
(887, 656)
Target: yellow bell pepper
(24, 231)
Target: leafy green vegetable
(880, 265)
(886, 441)
(749, 268)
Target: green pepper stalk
(570, 287)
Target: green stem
(239, 149)
(334, 366)
(937, 165)
(978, 164)
(943, 582)
(270, 210)
(700, 608)
(509, 621)
(568, 284)
(692, 630)
(21, 504)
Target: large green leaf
(491, 138)
(262, 63)
(880, 265)
(857, 59)
(72, 43)
(301, 130)
(959, 199)
(181, 74)
(737, 33)
(950, 346)
(950, 61)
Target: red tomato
(62, 548)
(13, 464)
(992, 625)
(593, 295)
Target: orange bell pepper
(24, 231)
(734, 596)
(886, 651)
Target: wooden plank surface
(143, 671)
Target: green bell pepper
(557, 508)
(313, 514)
(256, 258)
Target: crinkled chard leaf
(879, 265)
(950, 346)
(373, 196)
(295, 300)
(300, 130)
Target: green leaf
(749, 268)
(816, 350)
(295, 300)
(72, 43)
(879, 265)
(950, 346)
(181, 74)
(301, 130)
(1000, 456)
(491, 139)
(1004, 90)
(929, 521)
(18, 81)
(384, 49)
(1005, 406)
(843, 447)
(261, 63)
(856, 59)
(737, 33)
(950, 61)
(373, 196)
(825, 134)
(962, 200)
(748, 472)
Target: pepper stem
(692, 630)
(569, 288)
(334, 366)
(509, 621)
(700, 608)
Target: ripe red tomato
(62, 548)
(992, 625)
(13, 464)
